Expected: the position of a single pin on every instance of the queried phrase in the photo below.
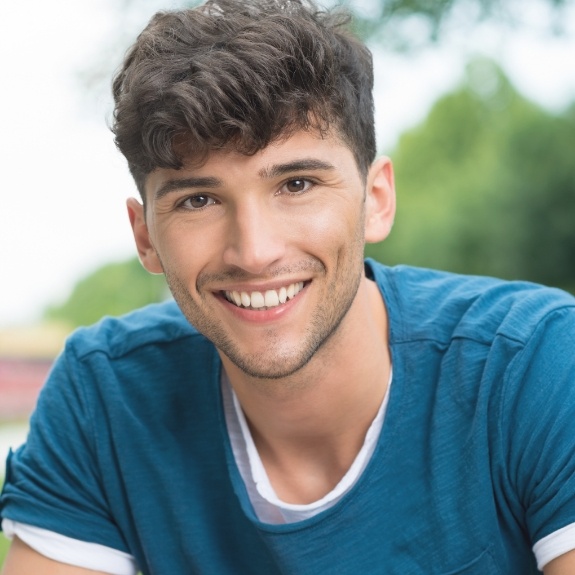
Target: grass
(4, 544)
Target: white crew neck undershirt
(268, 507)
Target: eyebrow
(186, 183)
(294, 166)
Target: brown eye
(197, 202)
(297, 186)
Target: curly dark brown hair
(241, 73)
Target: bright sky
(63, 185)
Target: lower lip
(266, 315)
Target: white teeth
(257, 299)
(271, 298)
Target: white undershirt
(267, 506)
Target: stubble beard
(275, 361)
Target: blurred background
(475, 103)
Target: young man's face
(263, 253)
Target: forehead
(301, 151)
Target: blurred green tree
(486, 184)
(403, 24)
(112, 289)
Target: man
(299, 410)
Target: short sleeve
(54, 480)
(537, 427)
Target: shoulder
(431, 304)
(133, 363)
(125, 354)
(151, 326)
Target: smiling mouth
(264, 300)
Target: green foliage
(487, 185)
(542, 151)
(113, 289)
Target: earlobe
(146, 251)
(380, 201)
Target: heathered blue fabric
(475, 462)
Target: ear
(379, 201)
(146, 251)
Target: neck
(308, 428)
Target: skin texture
(22, 560)
(255, 233)
(563, 565)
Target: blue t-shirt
(474, 464)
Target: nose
(254, 238)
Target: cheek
(343, 222)
(184, 249)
